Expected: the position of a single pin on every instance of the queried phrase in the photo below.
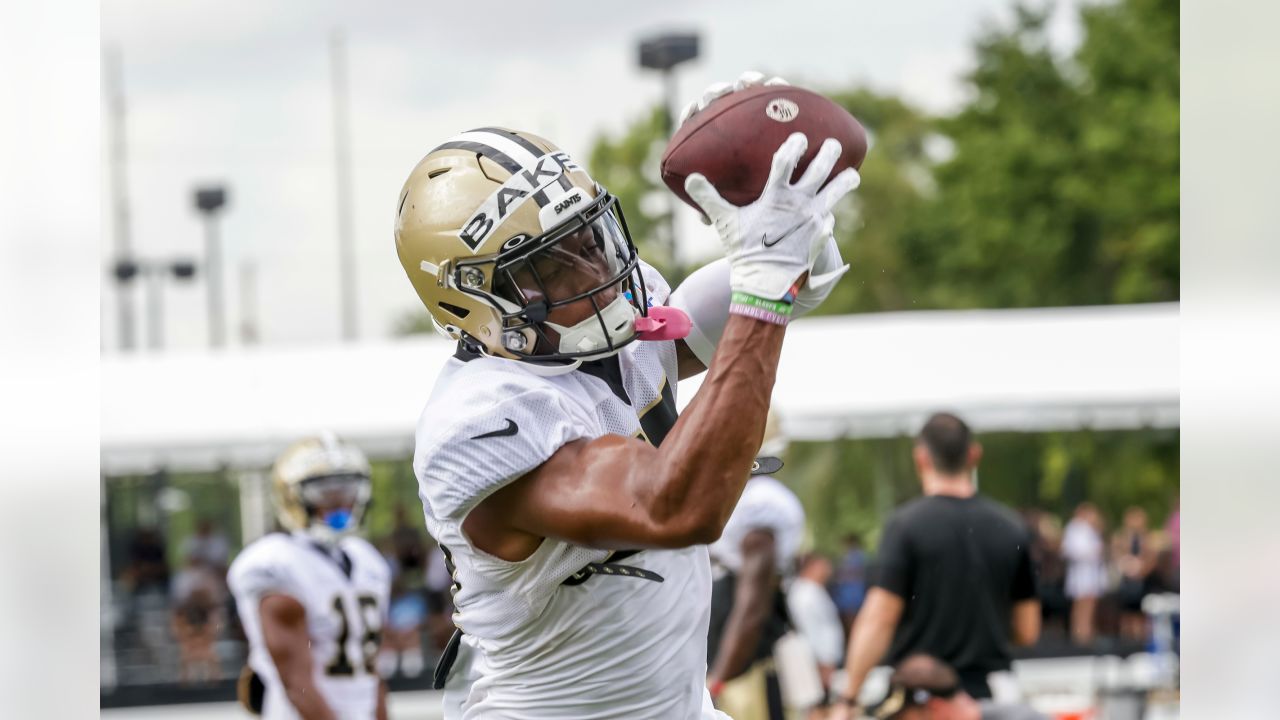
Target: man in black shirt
(953, 576)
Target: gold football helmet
(498, 228)
(321, 485)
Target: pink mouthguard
(663, 323)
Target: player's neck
(960, 486)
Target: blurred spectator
(1163, 577)
(194, 577)
(851, 580)
(148, 568)
(439, 600)
(925, 688)
(406, 618)
(196, 619)
(209, 546)
(1133, 558)
(1082, 548)
(409, 547)
(1051, 572)
(954, 575)
(1174, 528)
(815, 616)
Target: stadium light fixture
(209, 201)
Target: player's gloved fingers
(829, 257)
(840, 185)
(749, 78)
(690, 109)
(776, 81)
(816, 289)
(820, 167)
(707, 197)
(820, 282)
(713, 91)
(823, 238)
(785, 160)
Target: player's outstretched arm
(284, 629)
(615, 492)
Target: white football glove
(827, 269)
(750, 78)
(774, 240)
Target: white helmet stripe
(513, 137)
(501, 143)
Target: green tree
(896, 182)
(414, 321)
(1063, 189)
(628, 167)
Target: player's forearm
(382, 700)
(307, 700)
(868, 642)
(706, 458)
(738, 644)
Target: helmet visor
(584, 267)
(334, 492)
(571, 263)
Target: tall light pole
(114, 91)
(155, 272)
(663, 53)
(209, 201)
(248, 303)
(342, 166)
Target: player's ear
(975, 454)
(920, 455)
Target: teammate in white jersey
(313, 600)
(755, 554)
(573, 507)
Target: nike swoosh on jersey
(510, 429)
(780, 238)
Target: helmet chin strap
(582, 336)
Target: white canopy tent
(1111, 367)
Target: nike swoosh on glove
(776, 239)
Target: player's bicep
(284, 632)
(597, 493)
(755, 580)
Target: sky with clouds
(239, 92)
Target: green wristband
(774, 306)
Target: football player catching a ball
(572, 505)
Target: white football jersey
(345, 616)
(766, 504)
(571, 631)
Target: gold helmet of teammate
(321, 486)
(497, 229)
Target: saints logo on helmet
(321, 486)
(517, 252)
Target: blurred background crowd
(177, 635)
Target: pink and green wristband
(777, 312)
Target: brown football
(733, 140)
